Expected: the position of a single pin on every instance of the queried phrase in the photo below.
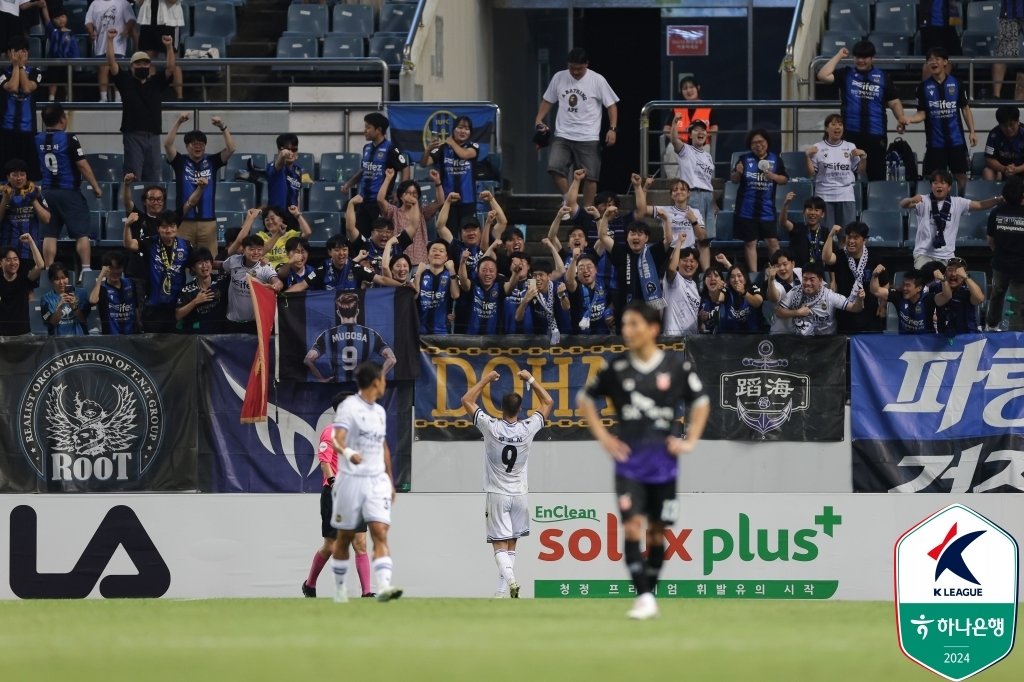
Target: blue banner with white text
(937, 414)
(413, 126)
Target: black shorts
(940, 36)
(655, 500)
(150, 38)
(368, 211)
(953, 159)
(326, 509)
(751, 230)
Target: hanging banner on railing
(414, 126)
(934, 414)
(98, 413)
(451, 364)
(781, 388)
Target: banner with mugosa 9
(934, 414)
(98, 413)
(451, 364)
(779, 388)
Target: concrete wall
(452, 53)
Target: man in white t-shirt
(938, 219)
(507, 444)
(781, 277)
(682, 297)
(102, 16)
(812, 306)
(364, 489)
(580, 94)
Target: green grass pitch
(454, 639)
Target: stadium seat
(137, 189)
(101, 204)
(234, 196)
(977, 165)
(973, 227)
(214, 18)
(978, 43)
(297, 47)
(735, 158)
(885, 195)
(326, 196)
(832, 41)
(849, 15)
(981, 277)
(387, 46)
(206, 45)
(309, 19)
(113, 230)
(106, 167)
(307, 163)
(886, 227)
(982, 189)
(890, 44)
(324, 226)
(76, 18)
(724, 237)
(335, 167)
(796, 164)
(96, 219)
(35, 47)
(238, 165)
(802, 190)
(896, 16)
(983, 17)
(228, 219)
(344, 46)
(729, 197)
(396, 17)
(356, 19)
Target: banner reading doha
(725, 546)
(98, 413)
(933, 414)
(779, 388)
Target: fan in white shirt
(781, 277)
(812, 307)
(682, 297)
(834, 164)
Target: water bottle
(220, 232)
(891, 169)
(901, 171)
(341, 177)
(1004, 324)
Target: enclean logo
(562, 512)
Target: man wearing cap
(864, 93)
(141, 90)
(580, 94)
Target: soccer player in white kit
(507, 447)
(364, 489)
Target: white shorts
(361, 499)
(508, 517)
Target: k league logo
(91, 414)
(956, 592)
(764, 397)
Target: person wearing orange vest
(689, 90)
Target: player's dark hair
(287, 140)
(814, 202)
(919, 278)
(577, 228)
(399, 257)
(469, 222)
(149, 188)
(650, 314)
(195, 136)
(858, 228)
(464, 119)
(1007, 113)
(339, 398)
(336, 241)
(863, 48)
(829, 120)
(941, 176)
(607, 198)
(692, 80)
(404, 187)
(486, 259)
(639, 226)
(55, 269)
(167, 218)
(585, 256)
(781, 253)
(689, 251)
(199, 255)
(814, 269)
(937, 51)
(15, 166)
(510, 404)
(52, 114)
(542, 265)
(577, 55)
(511, 233)
(1013, 191)
(437, 242)
(296, 243)
(58, 11)
(113, 259)
(758, 132)
(367, 373)
(381, 223)
(4, 250)
(377, 120)
(252, 240)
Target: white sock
(340, 568)
(512, 557)
(103, 96)
(504, 565)
(382, 570)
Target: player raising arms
(646, 386)
(364, 489)
(507, 447)
(329, 468)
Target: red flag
(264, 306)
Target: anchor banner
(778, 388)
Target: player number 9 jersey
(507, 448)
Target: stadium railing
(913, 62)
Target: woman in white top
(697, 168)
(834, 164)
(158, 18)
(685, 221)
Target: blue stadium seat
(973, 227)
(982, 189)
(310, 19)
(981, 277)
(796, 164)
(106, 167)
(356, 19)
(238, 165)
(113, 230)
(890, 44)
(885, 195)
(35, 47)
(297, 47)
(100, 204)
(234, 196)
(331, 164)
(213, 18)
(229, 219)
(387, 46)
(978, 43)
(896, 16)
(849, 15)
(724, 237)
(832, 41)
(344, 46)
(729, 196)
(983, 17)
(76, 18)
(396, 17)
(326, 196)
(206, 45)
(886, 227)
(324, 225)
(977, 165)
(802, 190)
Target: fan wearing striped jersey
(507, 444)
